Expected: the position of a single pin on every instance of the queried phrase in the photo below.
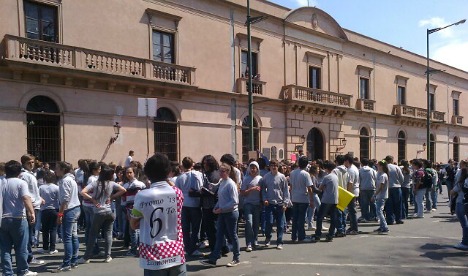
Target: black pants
(49, 229)
(209, 222)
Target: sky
(403, 23)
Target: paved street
(418, 247)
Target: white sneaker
(279, 247)
(249, 248)
(203, 245)
(324, 228)
(461, 246)
(53, 252)
(311, 228)
(30, 273)
(108, 259)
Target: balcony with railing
(62, 56)
(457, 120)
(365, 105)
(258, 87)
(417, 113)
(311, 95)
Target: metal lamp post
(428, 72)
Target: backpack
(427, 179)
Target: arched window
(432, 149)
(281, 154)
(245, 137)
(401, 145)
(456, 148)
(315, 144)
(165, 133)
(274, 153)
(43, 129)
(364, 143)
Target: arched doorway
(401, 145)
(315, 144)
(43, 129)
(456, 148)
(432, 149)
(165, 133)
(364, 143)
(245, 137)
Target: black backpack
(427, 179)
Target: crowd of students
(204, 204)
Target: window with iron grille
(401, 146)
(432, 149)
(456, 148)
(364, 143)
(43, 129)
(245, 137)
(165, 133)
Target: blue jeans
(380, 204)
(191, 223)
(252, 221)
(298, 220)
(393, 205)
(368, 209)
(324, 210)
(418, 199)
(70, 235)
(226, 226)
(88, 212)
(102, 221)
(311, 211)
(431, 199)
(405, 195)
(463, 218)
(179, 270)
(340, 221)
(274, 212)
(353, 224)
(14, 233)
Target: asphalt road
(417, 247)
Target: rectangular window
(41, 21)
(432, 101)
(401, 95)
(314, 77)
(244, 63)
(364, 88)
(163, 47)
(456, 107)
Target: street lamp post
(428, 72)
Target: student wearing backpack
(419, 188)
(431, 192)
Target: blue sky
(403, 23)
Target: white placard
(147, 107)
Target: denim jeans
(405, 194)
(368, 209)
(380, 204)
(431, 199)
(32, 236)
(298, 220)
(418, 198)
(179, 270)
(353, 224)
(191, 223)
(252, 221)
(340, 221)
(70, 235)
(463, 218)
(209, 222)
(274, 212)
(14, 233)
(88, 212)
(324, 210)
(49, 229)
(311, 211)
(393, 205)
(226, 226)
(102, 221)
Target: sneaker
(61, 269)
(329, 239)
(208, 263)
(400, 222)
(434, 209)
(352, 232)
(30, 273)
(59, 240)
(131, 253)
(203, 245)
(41, 251)
(279, 247)
(35, 261)
(461, 246)
(267, 242)
(324, 228)
(108, 259)
(197, 253)
(82, 261)
(316, 239)
(311, 228)
(340, 235)
(74, 265)
(377, 230)
(233, 263)
(417, 216)
(383, 232)
(52, 252)
(362, 220)
(306, 240)
(249, 248)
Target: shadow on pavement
(440, 255)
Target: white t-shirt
(382, 178)
(161, 239)
(128, 161)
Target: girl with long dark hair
(103, 217)
(381, 195)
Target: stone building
(70, 70)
